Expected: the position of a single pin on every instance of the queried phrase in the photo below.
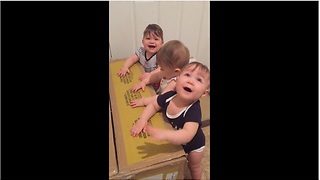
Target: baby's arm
(154, 76)
(145, 75)
(127, 64)
(177, 137)
(147, 113)
(144, 101)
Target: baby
(152, 41)
(171, 58)
(182, 109)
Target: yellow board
(135, 149)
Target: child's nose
(190, 80)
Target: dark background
(265, 90)
(54, 90)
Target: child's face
(192, 84)
(152, 43)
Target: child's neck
(148, 55)
(180, 102)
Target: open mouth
(187, 89)
(152, 46)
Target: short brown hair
(153, 29)
(173, 54)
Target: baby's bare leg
(194, 164)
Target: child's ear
(205, 93)
(177, 70)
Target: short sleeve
(163, 97)
(139, 51)
(194, 113)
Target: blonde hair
(173, 54)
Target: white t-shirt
(164, 83)
(148, 64)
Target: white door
(186, 21)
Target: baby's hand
(143, 76)
(156, 134)
(138, 86)
(137, 103)
(137, 128)
(123, 72)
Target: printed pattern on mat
(139, 148)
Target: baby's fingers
(134, 132)
(119, 73)
(135, 88)
(133, 104)
(142, 88)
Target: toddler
(182, 109)
(171, 58)
(152, 41)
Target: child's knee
(194, 165)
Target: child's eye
(199, 79)
(148, 38)
(187, 74)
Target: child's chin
(152, 50)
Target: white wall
(186, 21)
